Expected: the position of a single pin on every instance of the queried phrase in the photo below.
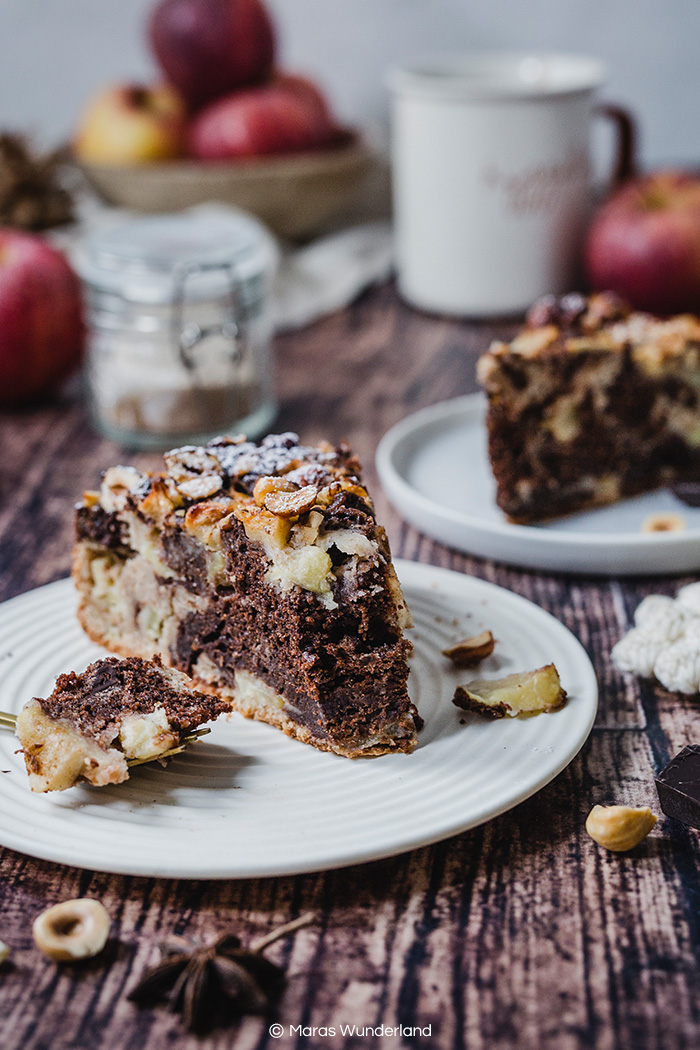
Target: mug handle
(625, 126)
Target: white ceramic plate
(248, 801)
(435, 469)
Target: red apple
(132, 124)
(207, 48)
(644, 243)
(258, 121)
(41, 328)
(307, 90)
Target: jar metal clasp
(186, 336)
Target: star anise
(211, 984)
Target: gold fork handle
(190, 738)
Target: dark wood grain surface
(519, 934)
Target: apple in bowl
(278, 117)
(644, 243)
(207, 48)
(274, 149)
(132, 124)
(245, 132)
(41, 326)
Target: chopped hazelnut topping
(200, 487)
(268, 484)
(117, 485)
(263, 527)
(202, 519)
(290, 504)
(190, 462)
(532, 342)
(162, 499)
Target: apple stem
(138, 97)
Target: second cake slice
(591, 403)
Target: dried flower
(210, 984)
(31, 195)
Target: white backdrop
(55, 53)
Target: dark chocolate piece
(678, 785)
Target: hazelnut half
(663, 523)
(619, 828)
(75, 929)
(471, 651)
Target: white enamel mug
(492, 177)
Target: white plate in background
(248, 801)
(435, 469)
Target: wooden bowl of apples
(227, 125)
(297, 195)
(272, 148)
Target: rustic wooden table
(519, 934)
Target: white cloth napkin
(330, 272)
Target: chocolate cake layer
(110, 690)
(591, 403)
(93, 723)
(262, 572)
